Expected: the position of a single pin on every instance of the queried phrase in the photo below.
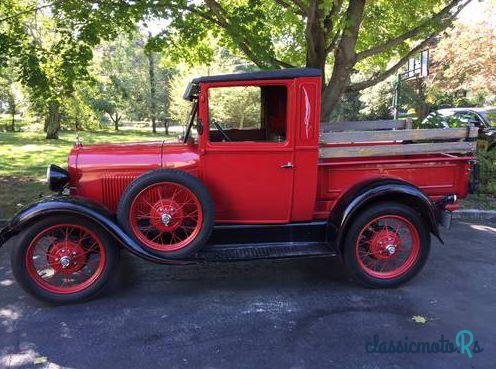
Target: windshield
(490, 117)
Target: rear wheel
(169, 212)
(64, 259)
(387, 245)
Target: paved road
(284, 314)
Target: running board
(280, 250)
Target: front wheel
(64, 259)
(386, 245)
(169, 212)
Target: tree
(131, 82)
(336, 36)
(465, 60)
(339, 37)
(11, 94)
(113, 99)
(49, 58)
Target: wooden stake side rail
(395, 141)
(400, 135)
(397, 149)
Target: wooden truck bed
(434, 160)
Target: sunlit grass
(27, 154)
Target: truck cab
(255, 166)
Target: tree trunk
(52, 121)
(12, 123)
(315, 39)
(116, 121)
(421, 106)
(344, 59)
(153, 91)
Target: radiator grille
(112, 188)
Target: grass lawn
(24, 157)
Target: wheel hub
(66, 257)
(385, 244)
(65, 261)
(166, 215)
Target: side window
(469, 118)
(247, 114)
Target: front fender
(387, 190)
(74, 206)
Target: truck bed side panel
(436, 175)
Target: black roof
(272, 74)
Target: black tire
(193, 184)
(23, 277)
(351, 257)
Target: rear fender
(375, 191)
(66, 205)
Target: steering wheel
(221, 130)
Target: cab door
(247, 150)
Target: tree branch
(443, 16)
(329, 26)
(300, 5)
(29, 10)
(241, 40)
(289, 6)
(282, 63)
(381, 76)
(335, 8)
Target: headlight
(57, 177)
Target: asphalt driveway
(284, 314)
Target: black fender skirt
(76, 206)
(390, 190)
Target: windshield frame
(192, 116)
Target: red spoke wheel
(387, 245)
(166, 216)
(169, 212)
(63, 259)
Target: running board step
(264, 251)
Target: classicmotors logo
(464, 344)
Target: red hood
(102, 172)
(136, 156)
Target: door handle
(288, 165)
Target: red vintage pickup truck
(256, 175)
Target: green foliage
(487, 162)
(436, 120)
(349, 108)
(264, 31)
(235, 107)
(53, 49)
(376, 101)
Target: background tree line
(93, 63)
